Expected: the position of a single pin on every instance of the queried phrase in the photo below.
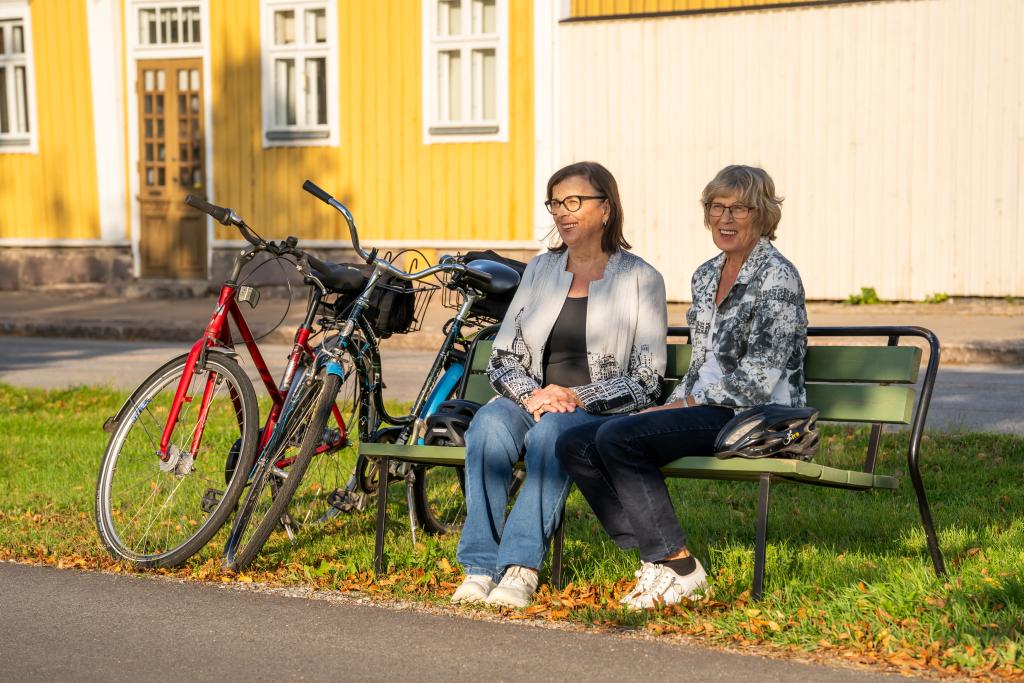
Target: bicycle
(182, 445)
(348, 365)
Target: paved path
(972, 397)
(71, 625)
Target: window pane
(449, 17)
(316, 26)
(284, 27)
(3, 32)
(190, 24)
(485, 16)
(449, 80)
(284, 92)
(484, 85)
(169, 25)
(17, 39)
(316, 91)
(5, 126)
(147, 26)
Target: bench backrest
(845, 383)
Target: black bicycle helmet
(447, 426)
(770, 431)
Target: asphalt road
(86, 626)
(969, 397)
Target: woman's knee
(576, 443)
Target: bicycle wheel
(313, 451)
(439, 496)
(152, 517)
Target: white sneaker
(668, 588)
(645, 576)
(474, 588)
(516, 588)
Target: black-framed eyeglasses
(738, 211)
(572, 203)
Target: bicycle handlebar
(371, 257)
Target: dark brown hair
(604, 183)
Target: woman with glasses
(748, 327)
(583, 340)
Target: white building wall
(894, 129)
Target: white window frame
(300, 134)
(158, 5)
(436, 131)
(27, 142)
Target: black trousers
(617, 466)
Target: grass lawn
(848, 575)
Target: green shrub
(936, 298)
(867, 296)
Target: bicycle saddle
(503, 278)
(342, 278)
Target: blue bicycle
(346, 377)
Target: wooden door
(172, 237)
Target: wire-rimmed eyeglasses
(572, 203)
(738, 211)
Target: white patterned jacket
(626, 323)
(761, 334)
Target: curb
(1009, 353)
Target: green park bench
(873, 384)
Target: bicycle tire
(439, 494)
(265, 477)
(325, 391)
(132, 488)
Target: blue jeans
(617, 466)
(499, 434)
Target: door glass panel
(195, 104)
(149, 128)
(149, 152)
(160, 177)
(182, 79)
(161, 79)
(148, 104)
(150, 178)
(148, 80)
(194, 79)
(159, 104)
(159, 128)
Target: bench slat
(899, 364)
(729, 469)
(862, 403)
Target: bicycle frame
(217, 335)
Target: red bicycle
(182, 446)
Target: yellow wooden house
(439, 121)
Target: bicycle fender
(333, 367)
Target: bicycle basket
(396, 306)
(490, 310)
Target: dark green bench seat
(873, 384)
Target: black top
(565, 354)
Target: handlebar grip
(479, 274)
(219, 213)
(321, 194)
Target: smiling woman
(583, 341)
(749, 336)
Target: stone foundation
(36, 267)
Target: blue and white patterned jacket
(761, 335)
(626, 322)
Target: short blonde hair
(755, 188)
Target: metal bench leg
(926, 520)
(382, 515)
(556, 553)
(762, 537)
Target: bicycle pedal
(341, 500)
(210, 500)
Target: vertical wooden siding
(52, 194)
(894, 129)
(397, 187)
(601, 8)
